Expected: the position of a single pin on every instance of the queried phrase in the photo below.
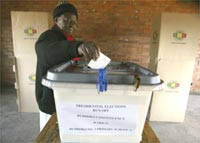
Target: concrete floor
(18, 127)
(186, 132)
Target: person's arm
(52, 51)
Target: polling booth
(26, 29)
(173, 50)
(101, 111)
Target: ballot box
(114, 116)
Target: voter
(55, 46)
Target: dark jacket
(52, 48)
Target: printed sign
(97, 119)
(30, 31)
(179, 35)
(173, 84)
(32, 77)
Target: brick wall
(122, 28)
(196, 75)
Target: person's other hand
(89, 50)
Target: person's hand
(89, 50)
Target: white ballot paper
(100, 63)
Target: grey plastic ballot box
(114, 116)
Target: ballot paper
(100, 63)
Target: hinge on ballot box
(137, 82)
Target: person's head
(65, 16)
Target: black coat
(52, 48)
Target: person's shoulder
(50, 33)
